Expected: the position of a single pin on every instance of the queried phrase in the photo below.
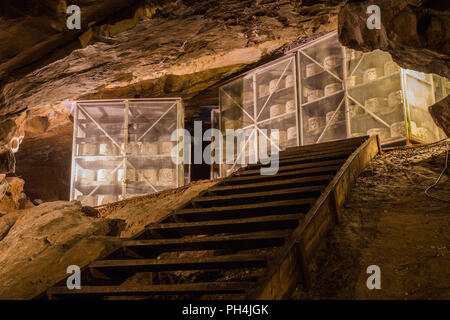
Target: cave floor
(390, 222)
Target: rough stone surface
(142, 211)
(415, 33)
(13, 198)
(389, 221)
(441, 114)
(152, 49)
(7, 162)
(38, 244)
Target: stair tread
(223, 238)
(238, 178)
(273, 183)
(260, 194)
(213, 287)
(247, 206)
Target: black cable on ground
(439, 179)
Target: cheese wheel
(277, 109)
(166, 177)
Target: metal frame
(344, 103)
(124, 157)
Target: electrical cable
(439, 179)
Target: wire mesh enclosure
(322, 92)
(123, 148)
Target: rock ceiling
(157, 48)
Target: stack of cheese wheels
(131, 175)
(277, 109)
(354, 80)
(290, 81)
(166, 177)
(315, 123)
(292, 133)
(107, 149)
(371, 75)
(282, 138)
(166, 147)
(264, 90)
(149, 148)
(149, 175)
(290, 106)
(248, 96)
(312, 69)
(134, 148)
(87, 149)
(398, 129)
(332, 88)
(89, 201)
(274, 85)
(374, 105)
(105, 176)
(103, 199)
(332, 61)
(314, 95)
(395, 98)
(355, 110)
(86, 176)
(330, 115)
(390, 68)
(383, 133)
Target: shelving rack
(123, 148)
(215, 118)
(333, 93)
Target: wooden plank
(241, 179)
(245, 225)
(294, 167)
(324, 145)
(261, 205)
(255, 195)
(312, 180)
(304, 158)
(313, 230)
(235, 242)
(178, 264)
(150, 290)
(247, 211)
(349, 150)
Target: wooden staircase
(248, 237)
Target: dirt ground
(391, 223)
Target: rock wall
(415, 33)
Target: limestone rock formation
(415, 33)
(441, 114)
(14, 198)
(38, 244)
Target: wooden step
(247, 211)
(349, 150)
(244, 225)
(151, 290)
(325, 145)
(236, 198)
(315, 180)
(258, 240)
(293, 167)
(304, 159)
(234, 261)
(281, 175)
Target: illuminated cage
(322, 91)
(123, 148)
